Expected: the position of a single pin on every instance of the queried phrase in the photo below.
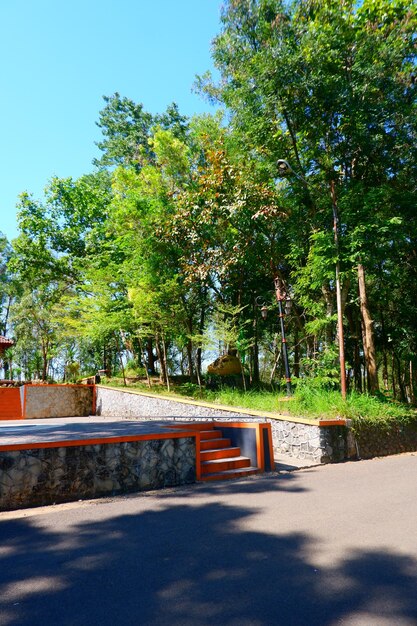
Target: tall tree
(328, 86)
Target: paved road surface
(322, 546)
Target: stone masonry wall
(309, 441)
(57, 401)
(372, 441)
(297, 439)
(47, 475)
(121, 403)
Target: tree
(328, 86)
(5, 283)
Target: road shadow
(187, 564)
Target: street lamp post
(285, 168)
(281, 297)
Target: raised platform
(73, 431)
(68, 459)
(62, 459)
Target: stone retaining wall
(296, 438)
(41, 401)
(127, 403)
(44, 476)
(309, 441)
(375, 441)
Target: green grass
(329, 404)
(271, 402)
(308, 402)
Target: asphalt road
(322, 546)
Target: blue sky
(59, 58)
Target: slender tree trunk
(190, 359)
(277, 355)
(367, 333)
(44, 362)
(120, 355)
(328, 297)
(384, 351)
(410, 378)
(6, 315)
(150, 355)
(199, 356)
(394, 387)
(296, 355)
(162, 375)
(242, 369)
(340, 298)
(400, 380)
(164, 347)
(354, 328)
(197, 371)
(255, 350)
(162, 356)
(142, 356)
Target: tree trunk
(142, 356)
(190, 359)
(120, 355)
(165, 363)
(162, 360)
(296, 355)
(255, 351)
(354, 328)
(384, 351)
(151, 357)
(201, 325)
(328, 297)
(411, 387)
(44, 362)
(400, 380)
(162, 375)
(367, 333)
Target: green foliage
(316, 402)
(178, 234)
(322, 369)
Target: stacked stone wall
(372, 440)
(291, 437)
(47, 475)
(42, 401)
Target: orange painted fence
(10, 403)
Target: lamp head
(284, 167)
(264, 312)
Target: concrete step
(221, 465)
(209, 434)
(230, 474)
(215, 444)
(219, 453)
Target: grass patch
(307, 402)
(319, 403)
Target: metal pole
(340, 333)
(280, 298)
(284, 167)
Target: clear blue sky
(59, 58)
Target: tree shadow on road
(187, 563)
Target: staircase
(10, 407)
(219, 459)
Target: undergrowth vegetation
(308, 401)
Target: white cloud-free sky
(59, 58)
